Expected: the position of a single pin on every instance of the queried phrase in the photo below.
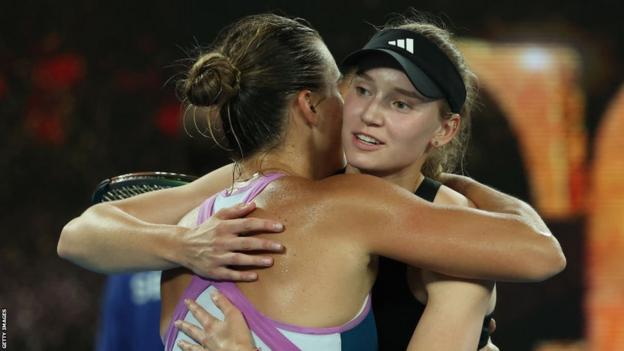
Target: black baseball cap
(428, 68)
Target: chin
(364, 166)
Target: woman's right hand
(210, 249)
(212, 334)
(157, 231)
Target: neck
(284, 160)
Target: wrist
(171, 247)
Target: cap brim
(419, 79)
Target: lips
(368, 139)
(366, 142)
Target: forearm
(105, 239)
(138, 233)
(453, 316)
(490, 199)
(468, 243)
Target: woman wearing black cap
(406, 119)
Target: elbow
(559, 261)
(67, 247)
(61, 248)
(73, 247)
(549, 261)
(73, 244)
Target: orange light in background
(605, 242)
(537, 88)
(535, 59)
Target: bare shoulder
(448, 196)
(345, 194)
(368, 197)
(332, 188)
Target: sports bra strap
(428, 189)
(257, 322)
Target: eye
(360, 90)
(401, 105)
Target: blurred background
(86, 93)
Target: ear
(447, 131)
(304, 104)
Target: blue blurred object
(130, 315)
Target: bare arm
(141, 233)
(489, 199)
(454, 314)
(392, 222)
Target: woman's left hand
(230, 334)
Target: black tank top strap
(428, 189)
(341, 171)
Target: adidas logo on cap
(407, 44)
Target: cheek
(411, 136)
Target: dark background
(86, 93)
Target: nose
(371, 115)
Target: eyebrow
(409, 93)
(413, 94)
(364, 75)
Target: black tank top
(396, 310)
